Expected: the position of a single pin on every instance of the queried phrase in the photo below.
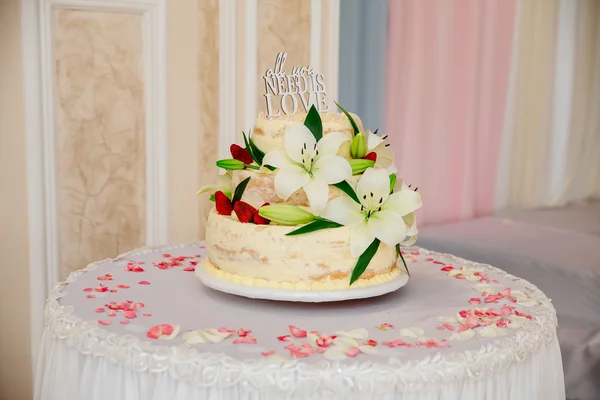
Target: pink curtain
(448, 71)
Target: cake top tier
(268, 132)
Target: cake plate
(307, 296)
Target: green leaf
(239, 190)
(314, 226)
(313, 123)
(364, 260)
(211, 197)
(399, 252)
(256, 153)
(392, 182)
(345, 187)
(354, 126)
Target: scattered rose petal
(143, 282)
(243, 332)
(247, 339)
(99, 310)
(123, 286)
(520, 314)
(163, 331)
(267, 352)
(297, 332)
(105, 277)
(101, 288)
(91, 296)
(352, 352)
(475, 300)
(167, 255)
(284, 338)
(396, 343)
(88, 289)
(124, 322)
(129, 314)
(133, 268)
(371, 342)
(146, 315)
(104, 321)
(225, 330)
(112, 314)
(189, 269)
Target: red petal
(123, 286)
(144, 282)
(284, 338)
(447, 268)
(223, 204)
(371, 342)
(194, 262)
(244, 211)
(240, 154)
(167, 255)
(258, 220)
(247, 340)
(297, 332)
(371, 156)
(91, 296)
(88, 289)
(189, 269)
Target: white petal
(354, 333)
(413, 331)
(296, 137)
(491, 331)
(447, 319)
(383, 151)
(335, 353)
(330, 143)
(403, 202)
(332, 169)
(278, 159)
(360, 238)
(388, 227)
(311, 338)
(344, 210)
(317, 192)
(483, 287)
(345, 342)
(374, 184)
(288, 180)
(464, 335)
(373, 141)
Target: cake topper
(302, 87)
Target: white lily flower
(385, 156)
(379, 214)
(223, 184)
(306, 164)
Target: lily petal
(403, 202)
(317, 192)
(297, 136)
(278, 159)
(388, 227)
(360, 238)
(373, 141)
(374, 185)
(331, 169)
(288, 180)
(345, 211)
(330, 143)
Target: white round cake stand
(307, 296)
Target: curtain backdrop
(494, 104)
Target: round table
(142, 326)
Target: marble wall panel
(100, 150)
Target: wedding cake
(310, 200)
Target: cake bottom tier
(262, 255)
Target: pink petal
(475, 300)
(324, 341)
(225, 330)
(506, 309)
(167, 255)
(520, 314)
(112, 314)
(129, 314)
(123, 286)
(105, 277)
(146, 315)
(438, 262)
(247, 339)
(448, 326)
(284, 338)
(91, 296)
(429, 259)
(144, 282)
(472, 322)
(268, 352)
(124, 322)
(461, 328)
(104, 321)
(415, 253)
(396, 343)
(189, 269)
(297, 332)
(160, 330)
(352, 351)
(88, 289)
(113, 290)
(101, 288)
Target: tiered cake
(309, 202)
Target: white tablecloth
(509, 349)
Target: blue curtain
(363, 37)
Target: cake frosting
(310, 201)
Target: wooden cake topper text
(302, 87)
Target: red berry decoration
(240, 154)
(223, 204)
(244, 211)
(259, 220)
(371, 156)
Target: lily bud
(230, 164)
(360, 166)
(392, 182)
(286, 214)
(358, 148)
